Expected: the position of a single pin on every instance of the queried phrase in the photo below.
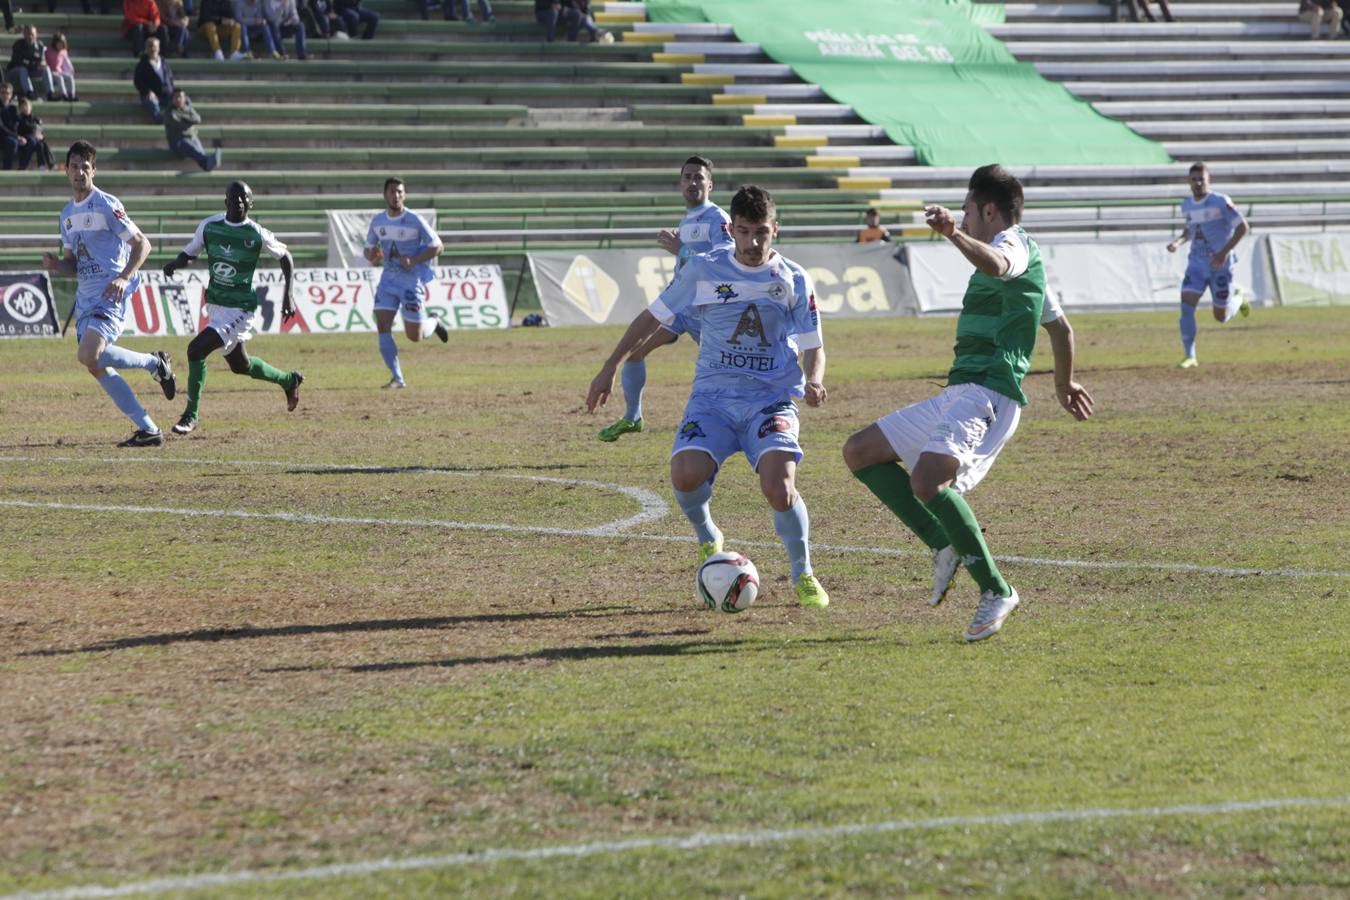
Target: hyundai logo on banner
(26, 307)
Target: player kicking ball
(754, 310)
(104, 250)
(233, 242)
(404, 242)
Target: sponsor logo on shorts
(774, 425)
(691, 429)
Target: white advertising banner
(327, 301)
(1088, 274)
(1313, 269)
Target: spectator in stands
(175, 18)
(154, 80)
(873, 231)
(573, 14)
(140, 20)
(249, 14)
(1315, 12)
(180, 129)
(322, 19)
(215, 22)
(28, 60)
(484, 10)
(62, 69)
(585, 20)
(34, 141)
(283, 18)
(9, 125)
(354, 17)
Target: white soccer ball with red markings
(728, 581)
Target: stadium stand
(518, 144)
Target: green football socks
(196, 384)
(959, 523)
(890, 482)
(265, 372)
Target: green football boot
(611, 433)
(810, 593)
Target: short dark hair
(82, 148)
(1198, 167)
(754, 204)
(697, 161)
(995, 184)
(176, 91)
(393, 180)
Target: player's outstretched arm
(287, 264)
(178, 262)
(1071, 395)
(979, 254)
(813, 366)
(602, 385)
(59, 265)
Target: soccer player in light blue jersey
(105, 250)
(755, 312)
(1214, 226)
(406, 245)
(704, 228)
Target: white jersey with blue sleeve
(404, 235)
(1211, 223)
(703, 228)
(752, 322)
(98, 232)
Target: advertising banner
(26, 307)
(1313, 269)
(953, 76)
(610, 287)
(1087, 275)
(327, 301)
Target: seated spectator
(873, 231)
(216, 21)
(180, 129)
(28, 60)
(249, 14)
(7, 9)
(140, 20)
(154, 80)
(1315, 12)
(584, 20)
(62, 69)
(354, 17)
(283, 18)
(9, 125)
(484, 10)
(322, 19)
(574, 16)
(175, 18)
(32, 141)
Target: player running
(105, 250)
(754, 310)
(948, 443)
(233, 242)
(703, 229)
(406, 244)
(1215, 227)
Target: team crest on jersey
(691, 429)
(226, 250)
(776, 290)
(383, 231)
(249, 245)
(69, 224)
(774, 425)
(725, 292)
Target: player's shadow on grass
(428, 623)
(430, 470)
(580, 654)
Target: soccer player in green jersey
(921, 460)
(233, 242)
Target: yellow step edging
(862, 183)
(803, 141)
(619, 18)
(736, 100)
(832, 162)
(646, 37)
(679, 59)
(758, 120)
(705, 78)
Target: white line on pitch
(613, 530)
(688, 842)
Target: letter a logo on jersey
(750, 325)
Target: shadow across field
(250, 632)
(580, 653)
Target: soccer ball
(727, 581)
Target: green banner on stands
(930, 75)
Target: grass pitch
(356, 632)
